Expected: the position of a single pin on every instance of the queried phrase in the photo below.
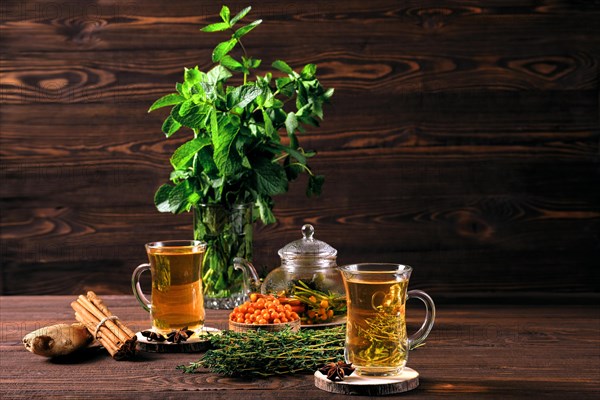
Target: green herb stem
(263, 353)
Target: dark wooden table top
(474, 352)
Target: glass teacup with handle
(376, 339)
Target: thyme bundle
(263, 353)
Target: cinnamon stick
(116, 337)
(97, 301)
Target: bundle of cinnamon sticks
(118, 339)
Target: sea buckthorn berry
(251, 310)
(294, 316)
(287, 307)
(330, 313)
(324, 303)
(312, 299)
(253, 297)
(276, 321)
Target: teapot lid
(307, 247)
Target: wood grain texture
(473, 352)
(463, 139)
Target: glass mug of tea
(376, 340)
(177, 296)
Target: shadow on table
(95, 353)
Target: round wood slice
(192, 345)
(370, 385)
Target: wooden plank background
(463, 139)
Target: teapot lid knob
(308, 231)
(308, 247)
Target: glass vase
(228, 234)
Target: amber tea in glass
(376, 339)
(177, 298)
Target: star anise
(180, 335)
(337, 371)
(151, 335)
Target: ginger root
(57, 340)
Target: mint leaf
(241, 96)
(291, 122)
(270, 177)
(170, 126)
(178, 197)
(309, 71)
(161, 198)
(245, 29)
(222, 49)
(285, 86)
(194, 118)
(254, 62)
(226, 156)
(205, 162)
(186, 107)
(187, 151)
(315, 183)
(240, 15)
(168, 100)
(214, 123)
(282, 66)
(264, 209)
(217, 74)
(225, 14)
(192, 75)
(269, 129)
(179, 175)
(219, 26)
(231, 63)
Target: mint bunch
(237, 154)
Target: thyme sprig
(264, 353)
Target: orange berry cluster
(320, 311)
(263, 310)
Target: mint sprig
(237, 154)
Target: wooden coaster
(370, 385)
(192, 345)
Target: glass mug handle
(422, 333)
(137, 289)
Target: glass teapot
(305, 263)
